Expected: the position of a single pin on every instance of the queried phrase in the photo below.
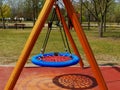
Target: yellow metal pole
(82, 38)
(61, 18)
(29, 44)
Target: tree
(78, 7)
(98, 8)
(117, 13)
(5, 12)
(35, 7)
(32, 8)
(28, 9)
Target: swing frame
(33, 38)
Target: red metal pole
(69, 35)
(29, 44)
(82, 38)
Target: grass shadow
(113, 65)
(113, 34)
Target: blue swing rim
(74, 60)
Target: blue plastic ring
(43, 63)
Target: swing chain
(63, 34)
(48, 32)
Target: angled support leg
(29, 44)
(82, 38)
(68, 34)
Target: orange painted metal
(82, 38)
(69, 35)
(29, 44)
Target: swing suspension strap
(64, 38)
(48, 33)
(63, 34)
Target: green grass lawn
(106, 49)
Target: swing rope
(67, 43)
(64, 38)
(48, 33)
(63, 34)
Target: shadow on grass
(110, 64)
(112, 34)
(113, 65)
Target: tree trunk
(104, 23)
(81, 11)
(101, 26)
(100, 29)
(3, 21)
(88, 21)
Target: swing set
(57, 59)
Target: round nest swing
(52, 59)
